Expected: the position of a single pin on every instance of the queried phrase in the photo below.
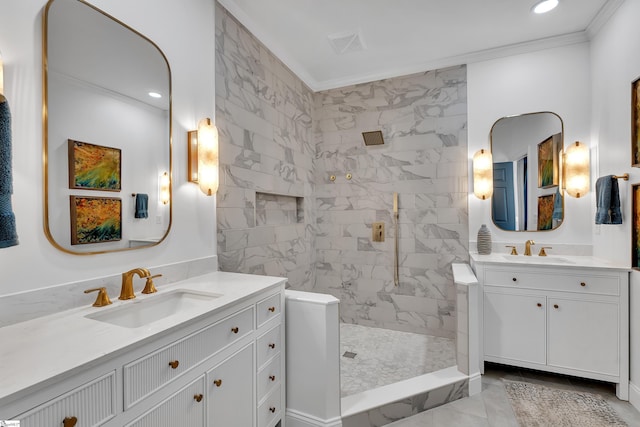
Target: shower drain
(349, 354)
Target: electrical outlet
(377, 230)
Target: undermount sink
(142, 312)
(534, 259)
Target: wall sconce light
(203, 157)
(576, 170)
(163, 185)
(483, 174)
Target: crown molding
(602, 17)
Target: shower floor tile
(384, 356)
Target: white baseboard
(634, 395)
(298, 419)
(475, 384)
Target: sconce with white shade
(576, 170)
(203, 157)
(483, 174)
(163, 188)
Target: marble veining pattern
(385, 356)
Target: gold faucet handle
(149, 287)
(102, 299)
(543, 252)
(513, 249)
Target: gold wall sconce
(202, 157)
(483, 174)
(576, 170)
(163, 188)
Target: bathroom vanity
(204, 351)
(567, 315)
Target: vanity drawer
(269, 410)
(268, 345)
(91, 404)
(146, 375)
(268, 377)
(583, 283)
(268, 308)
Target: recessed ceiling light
(544, 6)
(155, 95)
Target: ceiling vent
(346, 42)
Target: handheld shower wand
(396, 275)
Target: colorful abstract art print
(635, 232)
(95, 219)
(547, 164)
(94, 167)
(545, 212)
(635, 124)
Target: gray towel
(142, 201)
(8, 235)
(608, 201)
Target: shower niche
(278, 209)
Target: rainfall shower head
(373, 138)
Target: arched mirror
(107, 132)
(527, 172)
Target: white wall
(185, 32)
(556, 80)
(615, 64)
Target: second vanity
(561, 314)
(217, 360)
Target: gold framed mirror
(106, 132)
(527, 172)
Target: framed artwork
(547, 164)
(95, 219)
(635, 123)
(94, 167)
(635, 232)
(545, 212)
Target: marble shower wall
(264, 117)
(423, 118)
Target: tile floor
(492, 408)
(383, 356)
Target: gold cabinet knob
(514, 279)
(272, 309)
(539, 305)
(272, 377)
(272, 409)
(556, 306)
(174, 364)
(198, 397)
(218, 383)
(69, 422)
(583, 284)
(272, 346)
(235, 329)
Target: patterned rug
(539, 406)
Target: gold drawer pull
(272, 346)
(539, 305)
(556, 306)
(69, 421)
(198, 398)
(583, 284)
(272, 309)
(218, 383)
(235, 329)
(272, 377)
(273, 409)
(174, 364)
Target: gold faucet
(527, 247)
(127, 282)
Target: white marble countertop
(34, 351)
(550, 260)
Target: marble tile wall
(264, 118)
(423, 118)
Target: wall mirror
(107, 132)
(527, 172)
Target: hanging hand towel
(8, 235)
(608, 201)
(142, 201)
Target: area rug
(538, 406)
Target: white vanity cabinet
(222, 369)
(570, 320)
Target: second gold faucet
(527, 247)
(127, 282)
